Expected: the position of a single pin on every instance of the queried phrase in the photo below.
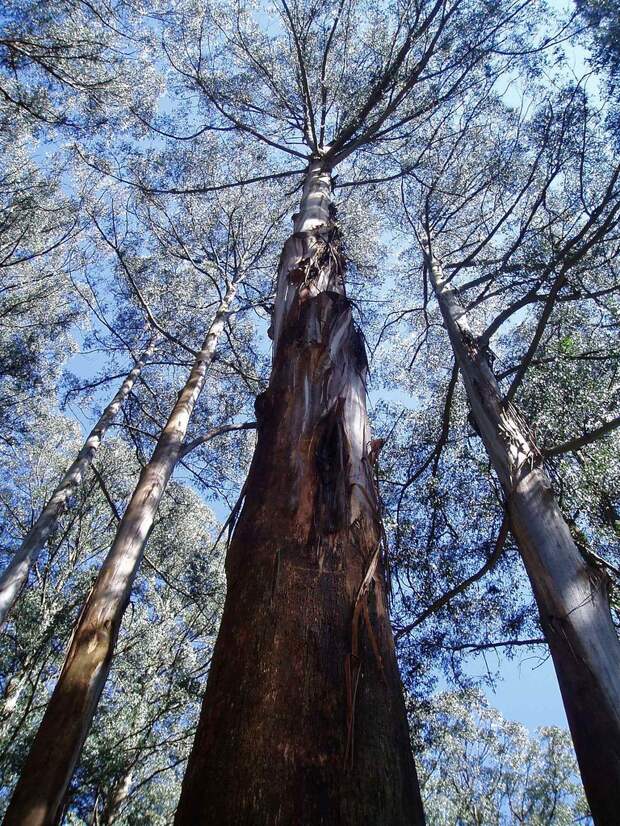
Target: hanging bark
(571, 589)
(38, 796)
(303, 720)
(15, 574)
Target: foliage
(478, 768)
(150, 154)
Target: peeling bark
(303, 720)
(15, 575)
(571, 591)
(38, 796)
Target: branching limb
(586, 439)
(449, 596)
(217, 431)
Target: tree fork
(571, 591)
(15, 575)
(38, 796)
(303, 719)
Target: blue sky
(527, 692)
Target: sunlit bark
(115, 800)
(38, 796)
(571, 590)
(15, 574)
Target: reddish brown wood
(275, 743)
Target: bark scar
(352, 660)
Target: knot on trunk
(263, 405)
(323, 264)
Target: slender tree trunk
(16, 573)
(114, 801)
(39, 793)
(571, 590)
(303, 720)
(12, 693)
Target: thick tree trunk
(570, 589)
(39, 793)
(16, 573)
(303, 720)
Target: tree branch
(581, 441)
(449, 596)
(217, 431)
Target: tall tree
(347, 95)
(15, 574)
(571, 589)
(571, 586)
(40, 791)
(146, 718)
(297, 688)
(305, 576)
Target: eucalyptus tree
(325, 88)
(239, 239)
(144, 728)
(65, 70)
(15, 575)
(603, 20)
(478, 768)
(36, 308)
(333, 86)
(539, 243)
(72, 66)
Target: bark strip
(15, 575)
(571, 591)
(38, 796)
(303, 720)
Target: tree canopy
(153, 159)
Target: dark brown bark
(571, 589)
(303, 720)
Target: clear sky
(528, 693)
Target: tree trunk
(39, 793)
(16, 573)
(303, 720)
(571, 590)
(115, 799)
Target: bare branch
(217, 431)
(449, 596)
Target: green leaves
(476, 767)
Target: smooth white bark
(16, 573)
(570, 590)
(312, 219)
